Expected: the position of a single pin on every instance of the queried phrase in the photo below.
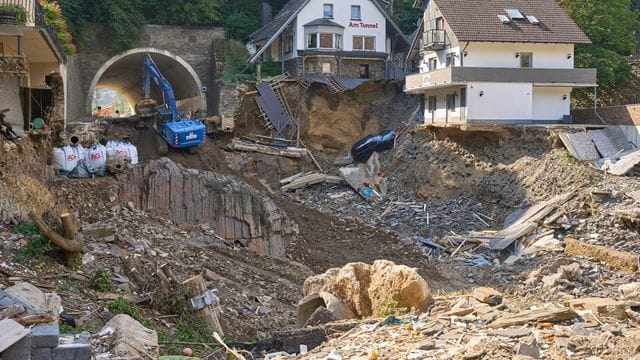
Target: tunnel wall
(192, 44)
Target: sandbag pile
(77, 162)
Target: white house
(348, 38)
(30, 57)
(496, 62)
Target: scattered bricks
(73, 351)
(614, 259)
(20, 350)
(41, 354)
(487, 295)
(45, 335)
(602, 307)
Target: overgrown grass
(101, 280)
(71, 286)
(124, 306)
(35, 248)
(66, 329)
(390, 308)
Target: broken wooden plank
(10, 333)
(546, 314)
(528, 221)
(291, 152)
(291, 178)
(614, 259)
(625, 164)
(304, 182)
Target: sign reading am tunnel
(184, 55)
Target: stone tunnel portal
(123, 74)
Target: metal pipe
(595, 104)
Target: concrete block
(20, 350)
(41, 354)
(45, 335)
(72, 352)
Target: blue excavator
(176, 131)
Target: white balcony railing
(28, 5)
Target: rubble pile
(483, 325)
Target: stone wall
(351, 68)
(193, 44)
(235, 210)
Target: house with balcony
(345, 38)
(496, 62)
(32, 67)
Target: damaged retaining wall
(235, 210)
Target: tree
(183, 12)
(610, 25)
(405, 15)
(240, 24)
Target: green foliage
(123, 306)
(55, 20)
(391, 308)
(183, 12)
(610, 25)
(35, 248)
(235, 68)
(101, 280)
(71, 286)
(21, 13)
(66, 329)
(239, 24)
(406, 16)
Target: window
(463, 97)
(327, 10)
(310, 67)
(526, 60)
(326, 41)
(433, 104)
(288, 44)
(338, 42)
(433, 63)
(358, 43)
(369, 43)
(439, 23)
(355, 12)
(451, 59)
(364, 43)
(312, 41)
(364, 71)
(451, 102)
(326, 68)
(514, 14)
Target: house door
(364, 71)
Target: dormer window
(327, 11)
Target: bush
(54, 19)
(21, 13)
(36, 246)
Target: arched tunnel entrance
(123, 74)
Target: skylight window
(534, 20)
(504, 19)
(514, 14)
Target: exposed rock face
(235, 210)
(365, 288)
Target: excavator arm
(147, 105)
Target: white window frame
(324, 69)
(364, 37)
(522, 57)
(354, 7)
(309, 36)
(326, 6)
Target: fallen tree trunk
(71, 246)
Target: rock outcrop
(364, 288)
(235, 210)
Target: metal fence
(28, 5)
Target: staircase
(333, 85)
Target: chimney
(265, 14)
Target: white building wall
(500, 101)
(548, 103)
(442, 115)
(546, 56)
(342, 15)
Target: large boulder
(364, 288)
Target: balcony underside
(456, 76)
